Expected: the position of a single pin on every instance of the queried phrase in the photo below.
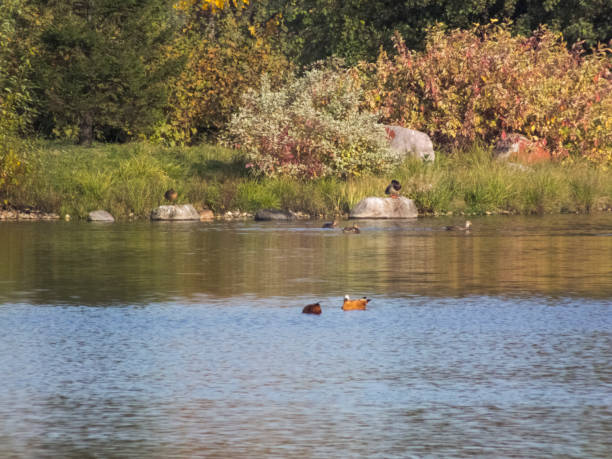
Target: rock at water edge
(374, 207)
(179, 212)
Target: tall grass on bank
(131, 179)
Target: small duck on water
(468, 225)
(314, 308)
(354, 305)
(393, 189)
(352, 229)
(333, 224)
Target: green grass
(131, 179)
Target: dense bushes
(16, 51)
(217, 72)
(101, 72)
(479, 84)
(312, 127)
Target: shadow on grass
(214, 169)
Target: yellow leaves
(209, 5)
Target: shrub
(311, 127)
(218, 70)
(17, 46)
(478, 84)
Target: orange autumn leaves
(475, 85)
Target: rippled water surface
(187, 340)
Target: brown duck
(333, 224)
(171, 195)
(354, 305)
(352, 229)
(314, 308)
(468, 225)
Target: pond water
(187, 339)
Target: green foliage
(17, 47)
(479, 84)
(356, 29)
(12, 167)
(224, 57)
(101, 70)
(131, 179)
(310, 128)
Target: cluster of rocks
(27, 214)
(511, 147)
(406, 142)
(280, 215)
(235, 215)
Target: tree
(227, 50)
(101, 67)
(356, 29)
(17, 46)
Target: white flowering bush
(312, 127)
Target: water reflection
(255, 378)
(142, 262)
(495, 343)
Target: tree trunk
(86, 129)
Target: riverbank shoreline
(130, 180)
(28, 215)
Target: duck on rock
(171, 195)
(393, 189)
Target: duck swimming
(468, 225)
(314, 308)
(393, 189)
(354, 305)
(333, 224)
(171, 195)
(352, 229)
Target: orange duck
(354, 305)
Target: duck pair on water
(348, 229)
(347, 305)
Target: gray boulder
(100, 216)
(374, 207)
(178, 212)
(274, 214)
(406, 142)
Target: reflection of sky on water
(247, 376)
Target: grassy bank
(132, 178)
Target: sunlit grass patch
(131, 179)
